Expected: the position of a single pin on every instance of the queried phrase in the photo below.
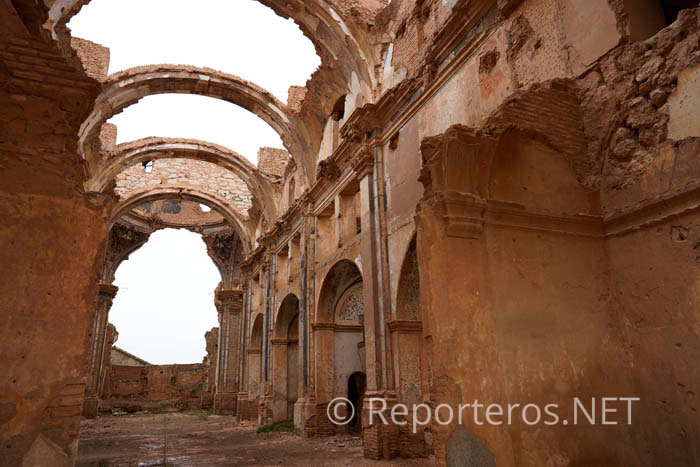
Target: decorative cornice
(363, 161)
(230, 300)
(337, 327)
(328, 169)
(463, 213)
(405, 326)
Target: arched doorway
(285, 360)
(357, 385)
(249, 410)
(339, 341)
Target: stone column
(305, 407)
(231, 307)
(380, 441)
(97, 348)
(242, 398)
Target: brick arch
(129, 154)
(126, 88)
(234, 218)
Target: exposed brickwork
(94, 57)
(137, 387)
(297, 94)
(528, 149)
(273, 161)
(108, 137)
(186, 172)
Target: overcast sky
(240, 37)
(165, 301)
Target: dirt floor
(209, 440)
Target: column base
(304, 421)
(225, 403)
(246, 409)
(379, 441)
(207, 401)
(265, 410)
(91, 405)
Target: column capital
(108, 290)
(462, 214)
(363, 161)
(231, 300)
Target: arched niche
(285, 359)
(339, 332)
(254, 361)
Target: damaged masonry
(492, 200)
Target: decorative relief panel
(351, 306)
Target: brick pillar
(230, 304)
(379, 440)
(97, 348)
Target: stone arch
(288, 309)
(341, 35)
(123, 240)
(256, 332)
(254, 362)
(234, 218)
(339, 278)
(126, 88)
(135, 152)
(339, 332)
(285, 360)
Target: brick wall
(95, 57)
(188, 173)
(296, 98)
(273, 161)
(179, 386)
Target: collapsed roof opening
(196, 117)
(164, 304)
(212, 26)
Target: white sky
(165, 301)
(240, 37)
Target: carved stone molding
(230, 300)
(108, 291)
(328, 169)
(351, 306)
(462, 213)
(405, 326)
(458, 160)
(363, 161)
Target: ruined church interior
(480, 215)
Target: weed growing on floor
(276, 427)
